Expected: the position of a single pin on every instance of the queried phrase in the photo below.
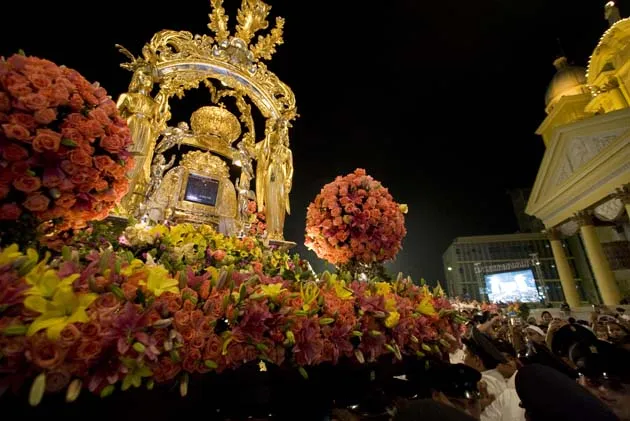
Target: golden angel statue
(278, 180)
(159, 167)
(173, 136)
(146, 116)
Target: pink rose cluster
(355, 219)
(63, 145)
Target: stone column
(604, 276)
(567, 280)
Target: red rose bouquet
(63, 154)
(355, 219)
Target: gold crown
(216, 121)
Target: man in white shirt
(484, 357)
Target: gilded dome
(568, 80)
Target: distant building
(526, 223)
(582, 189)
(470, 261)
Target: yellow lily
(159, 281)
(132, 267)
(309, 294)
(64, 308)
(383, 288)
(10, 254)
(426, 307)
(392, 319)
(341, 290)
(45, 282)
(272, 290)
(390, 304)
(159, 230)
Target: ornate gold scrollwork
(179, 60)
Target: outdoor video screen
(512, 286)
(201, 190)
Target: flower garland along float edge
(170, 302)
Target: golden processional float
(196, 186)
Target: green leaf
(127, 382)
(117, 291)
(37, 390)
(68, 142)
(21, 52)
(66, 253)
(303, 373)
(107, 390)
(16, 330)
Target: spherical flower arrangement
(63, 145)
(355, 219)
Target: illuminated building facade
(583, 185)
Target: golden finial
(251, 18)
(218, 21)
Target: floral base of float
(168, 303)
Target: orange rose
(91, 129)
(130, 163)
(5, 102)
(100, 116)
(69, 335)
(121, 187)
(117, 172)
(88, 349)
(112, 144)
(100, 185)
(35, 101)
(80, 157)
(76, 102)
(19, 168)
(16, 131)
(52, 177)
(27, 183)
(66, 201)
(39, 80)
(23, 119)
(12, 152)
(108, 106)
(36, 202)
(45, 116)
(69, 168)
(72, 134)
(104, 162)
(19, 90)
(46, 140)
(46, 354)
(10, 212)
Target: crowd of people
(539, 370)
(511, 367)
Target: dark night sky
(437, 100)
